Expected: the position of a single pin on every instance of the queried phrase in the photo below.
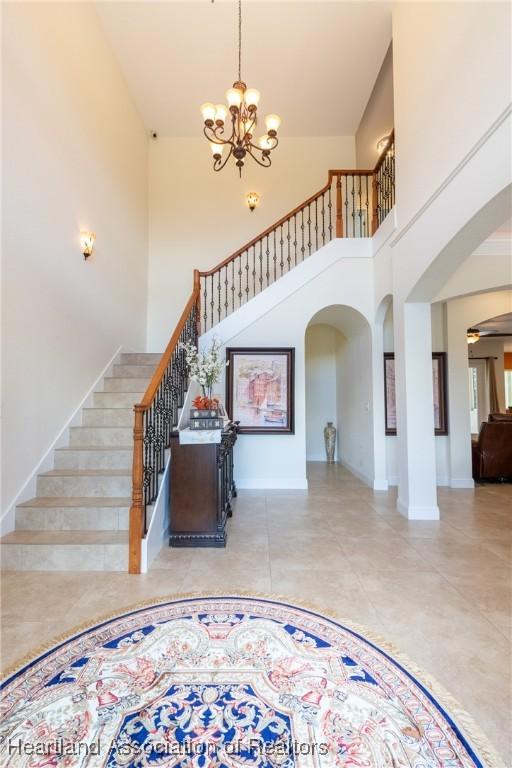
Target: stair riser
(77, 459)
(91, 487)
(125, 384)
(134, 371)
(107, 417)
(65, 557)
(72, 519)
(100, 436)
(116, 399)
(140, 358)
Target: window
(508, 389)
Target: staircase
(93, 510)
(79, 517)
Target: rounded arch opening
(338, 357)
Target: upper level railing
(352, 204)
(360, 199)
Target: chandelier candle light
(242, 113)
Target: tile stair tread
(109, 407)
(76, 501)
(65, 537)
(86, 473)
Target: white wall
(354, 376)
(74, 155)
(451, 82)
(279, 317)
(321, 387)
(199, 217)
(378, 118)
(439, 344)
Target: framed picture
(439, 388)
(260, 389)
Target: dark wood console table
(202, 489)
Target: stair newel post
(197, 291)
(339, 208)
(375, 204)
(137, 507)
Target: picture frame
(260, 390)
(439, 372)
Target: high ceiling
(314, 63)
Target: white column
(417, 492)
(461, 471)
(380, 480)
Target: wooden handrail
(137, 510)
(333, 173)
(267, 231)
(155, 382)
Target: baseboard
(357, 472)
(272, 484)
(380, 484)
(462, 482)
(418, 513)
(319, 458)
(28, 489)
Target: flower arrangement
(204, 368)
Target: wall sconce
(473, 335)
(381, 144)
(87, 242)
(252, 200)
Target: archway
(339, 388)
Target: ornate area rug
(241, 682)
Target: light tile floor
(440, 591)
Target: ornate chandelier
(242, 114)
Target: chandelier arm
(216, 139)
(270, 149)
(222, 163)
(262, 161)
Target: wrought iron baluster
(247, 276)
(240, 273)
(323, 218)
(302, 233)
(281, 243)
(268, 262)
(261, 266)
(367, 219)
(353, 209)
(226, 283)
(329, 208)
(275, 256)
(316, 223)
(233, 285)
(360, 209)
(219, 300)
(346, 207)
(288, 238)
(205, 295)
(212, 304)
(295, 237)
(253, 271)
(309, 229)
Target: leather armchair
(492, 452)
